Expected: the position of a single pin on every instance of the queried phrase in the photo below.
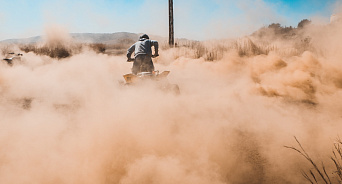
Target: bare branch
(306, 155)
(312, 174)
(325, 172)
(307, 177)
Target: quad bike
(12, 57)
(159, 78)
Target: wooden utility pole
(171, 33)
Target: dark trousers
(142, 63)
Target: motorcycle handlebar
(132, 59)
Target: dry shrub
(319, 174)
(61, 51)
(285, 41)
(209, 50)
(56, 51)
(98, 47)
(246, 47)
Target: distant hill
(24, 40)
(105, 38)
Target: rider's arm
(130, 51)
(156, 45)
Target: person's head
(144, 36)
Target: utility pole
(171, 33)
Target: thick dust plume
(72, 121)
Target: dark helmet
(144, 36)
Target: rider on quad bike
(143, 68)
(143, 54)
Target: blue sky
(194, 19)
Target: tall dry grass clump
(56, 51)
(284, 41)
(246, 47)
(57, 44)
(216, 49)
(319, 174)
(209, 50)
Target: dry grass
(215, 50)
(262, 42)
(56, 51)
(98, 47)
(248, 46)
(320, 174)
(60, 51)
(208, 50)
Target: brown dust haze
(228, 125)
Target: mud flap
(163, 74)
(129, 78)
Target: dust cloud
(71, 121)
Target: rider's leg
(147, 64)
(151, 66)
(136, 65)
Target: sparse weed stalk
(215, 50)
(320, 174)
(337, 158)
(197, 49)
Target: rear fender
(164, 74)
(130, 78)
